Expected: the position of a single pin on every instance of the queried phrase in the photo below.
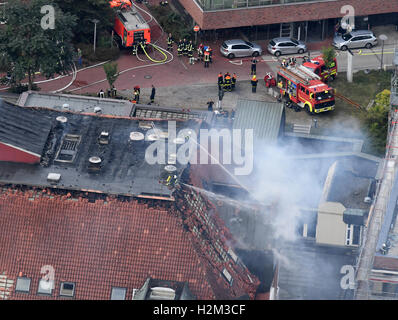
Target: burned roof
(120, 165)
(351, 183)
(23, 129)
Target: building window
(118, 293)
(23, 285)
(45, 287)
(67, 289)
(353, 235)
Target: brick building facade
(209, 16)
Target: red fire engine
(130, 26)
(317, 65)
(305, 89)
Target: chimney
(97, 110)
(136, 136)
(61, 121)
(104, 138)
(65, 106)
(53, 178)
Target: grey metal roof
(75, 103)
(27, 130)
(265, 118)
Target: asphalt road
(362, 59)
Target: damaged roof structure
(90, 209)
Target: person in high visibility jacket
(190, 49)
(206, 58)
(210, 54)
(233, 81)
(200, 52)
(180, 48)
(254, 83)
(185, 47)
(170, 42)
(227, 83)
(220, 81)
(135, 49)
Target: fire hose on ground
(157, 48)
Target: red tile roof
(107, 243)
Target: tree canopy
(376, 120)
(28, 47)
(86, 11)
(111, 73)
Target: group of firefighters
(186, 48)
(226, 81)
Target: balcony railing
(209, 5)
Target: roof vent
(136, 136)
(152, 137)
(104, 138)
(53, 178)
(170, 168)
(94, 164)
(162, 293)
(367, 200)
(61, 119)
(97, 110)
(65, 106)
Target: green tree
(329, 54)
(111, 73)
(30, 48)
(86, 11)
(376, 121)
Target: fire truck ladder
(300, 73)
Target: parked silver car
(355, 39)
(278, 46)
(240, 48)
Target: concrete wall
(330, 227)
(284, 13)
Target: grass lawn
(364, 87)
(362, 90)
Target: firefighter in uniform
(210, 54)
(200, 52)
(220, 81)
(206, 58)
(254, 84)
(135, 49)
(227, 82)
(137, 94)
(170, 42)
(101, 94)
(179, 48)
(234, 81)
(185, 47)
(190, 49)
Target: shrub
(19, 88)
